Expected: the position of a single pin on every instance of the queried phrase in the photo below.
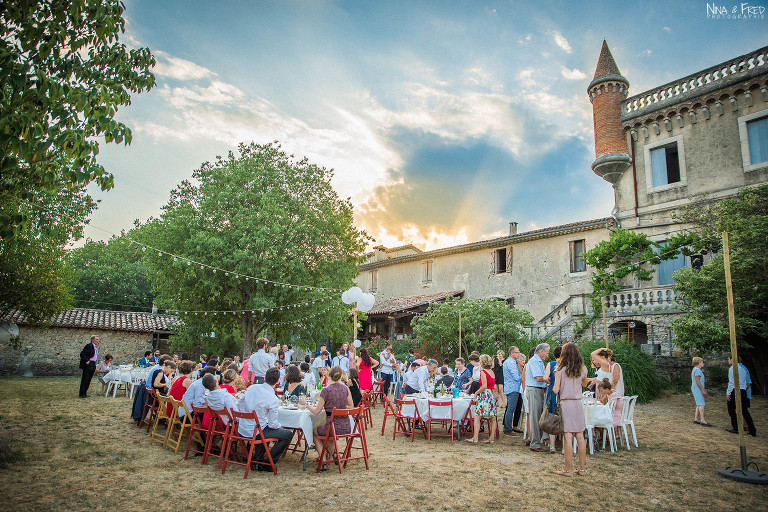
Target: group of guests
(700, 395)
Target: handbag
(551, 422)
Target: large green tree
(487, 325)
(109, 275)
(230, 241)
(63, 75)
(703, 291)
(32, 269)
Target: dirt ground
(74, 454)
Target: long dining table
(460, 405)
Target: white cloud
(667, 29)
(572, 74)
(179, 69)
(562, 42)
(526, 77)
(483, 78)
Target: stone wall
(56, 351)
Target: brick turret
(606, 92)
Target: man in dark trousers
(88, 358)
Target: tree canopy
(487, 325)
(63, 75)
(255, 240)
(703, 291)
(109, 275)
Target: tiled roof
(605, 63)
(100, 319)
(403, 303)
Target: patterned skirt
(486, 404)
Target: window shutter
(493, 262)
(509, 259)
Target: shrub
(640, 376)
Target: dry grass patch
(61, 443)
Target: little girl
(606, 393)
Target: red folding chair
(365, 404)
(331, 436)
(197, 431)
(467, 423)
(389, 410)
(401, 419)
(441, 412)
(378, 392)
(246, 444)
(150, 409)
(217, 428)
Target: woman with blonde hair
(227, 378)
(486, 400)
(570, 377)
(699, 391)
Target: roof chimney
(512, 228)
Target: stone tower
(606, 92)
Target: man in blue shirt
(743, 379)
(536, 381)
(512, 379)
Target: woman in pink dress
(364, 364)
(570, 377)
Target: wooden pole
(605, 322)
(354, 324)
(459, 332)
(734, 349)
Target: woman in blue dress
(550, 396)
(699, 390)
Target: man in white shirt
(218, 399)
(341, 360)
(262, 399)
(320, 360)
(288, 352)
(388, 362)
(417, 381)
(259, 362)
(308, 380)
(195, 393)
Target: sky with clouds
(444, 121)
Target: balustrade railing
(698, 81)
(658, 297)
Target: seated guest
(227, 378)
(474, 365)
(293, 385)
(462, 376)
(308, 378)
(410, 380)
(446, 363)
(218, 398)
(324, 372)
(321, 360)
(354, 386)
(335, 395)
(195, 393)
(262, 399)
(445, 379)
(147, 359)
(102, 370)
(606, 393)
(181, 383)
(156, 368)
(239, 384)
(161, 381)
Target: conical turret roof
(605, 64)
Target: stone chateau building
(703, 134)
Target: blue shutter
(757, 134)
(667, 268)
(659, 167)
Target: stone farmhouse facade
(705, 134)
(55, 349)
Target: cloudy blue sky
(443, 120)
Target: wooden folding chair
(217, 427)
(467, 423)
(183, 423)
(247, 444)
(365, 404)
(331, 436)
(443, 415)
(162, 414)
(378, 392)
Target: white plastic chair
(137, 379)
(109, 379)
(608, 426)
(628, 418)
(588, 394)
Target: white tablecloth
(460, 406)
(594, 410)
(305, 420)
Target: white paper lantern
(356, 343)
(366, 302)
